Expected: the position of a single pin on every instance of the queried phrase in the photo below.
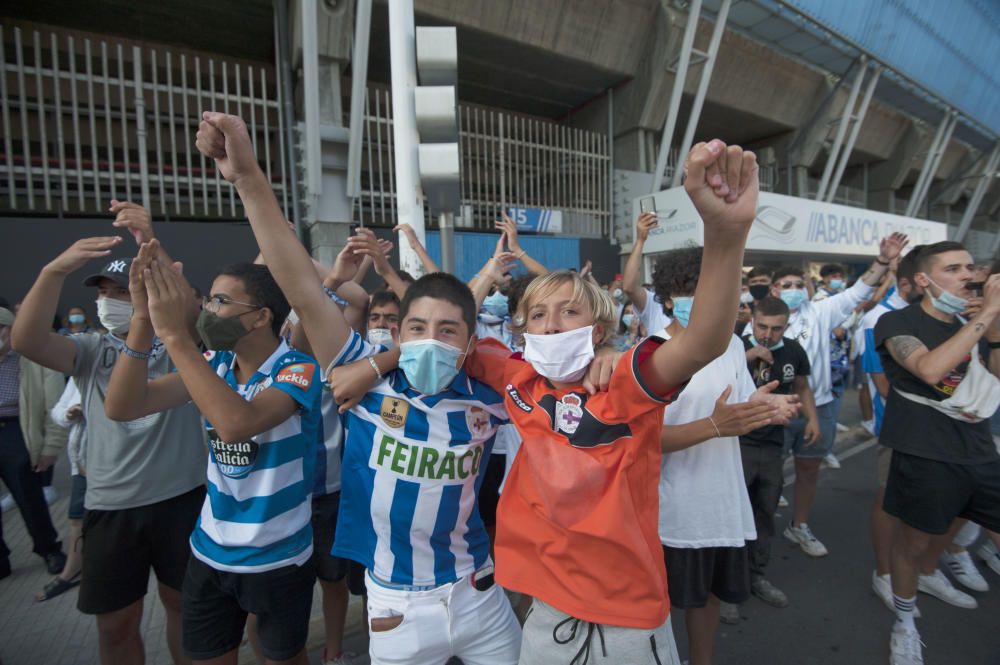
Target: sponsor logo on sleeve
(299, 374)
(517, 399)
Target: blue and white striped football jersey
(410, 478)
(331, 450)
(256, 515)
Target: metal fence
(507, 160)
(86, 121)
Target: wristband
(332, 295)
(378, 372)
(132, 353)
(993, 345)
(882, 263)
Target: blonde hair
(584, 293)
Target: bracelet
(993, 345)
(882, 263)
(519, 255)
(717, 432)
(378, 372)
(132, 353)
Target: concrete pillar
(329, 215)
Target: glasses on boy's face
(214, 303)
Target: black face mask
(759, 291)
(218, 333)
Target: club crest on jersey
(787, 373)
(235, 460)
(569, 413)
(394, 411)
(478, 421)
(299, 374)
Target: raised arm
(421, 251)
(131, 394)
(932, 366)
(491, 273)
(367, 246)
(722, 183)
(32, 334)
(233, 418)
(509, 229)
(632, 278)
(224, 138)
(838, 307)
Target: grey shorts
(544, 625)
(794, 441)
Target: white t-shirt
(703, 494)
(811, 324)
(652, 315)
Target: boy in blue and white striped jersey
(413, 451)
(252, 544)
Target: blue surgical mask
(77, 319)
(496, 304)
(682, 309)
(947, 303)
(836, 284)
(794, 298)
(627, 320)
(781, 343)
(429, 365)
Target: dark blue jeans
(26, 489)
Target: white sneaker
(782, 502)
(905, 647)
(869, 426)
(50, 494)
(940, 587)
(342, 659)
(803, 537)
(882, 586)
(6, 502)
(987, 552)
(831, 461)
(843, 428)
(964, 571)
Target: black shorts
(693, 573)
(216, 604)
(77, 491)
(330, 568)
(120, 546)
(489, 491)
(928, 495)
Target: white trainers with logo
(963, 570)
(882, 587)
(803, 537)
(905, 647)
(939, 586)
(989, 554)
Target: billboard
(787, 224)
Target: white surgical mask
(562, 357)
(746, 298)
(115, 315)
(380, 337)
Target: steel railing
(85, 121)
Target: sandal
(57, 586)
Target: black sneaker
(4, 568)
(55, 562)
